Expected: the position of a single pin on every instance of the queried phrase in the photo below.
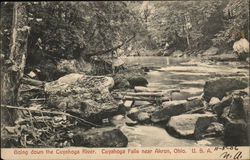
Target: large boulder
(85, 96)
(173, 108)
(219, 87)
(241, 48)
(236, 133)
(100, 137)
(189, 125)
(170, 108)
(246, 104)
(236, 120)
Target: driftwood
(144, 94)
(32, 82)
(131, 98)
(51, 112)
(38, 99)
(145, 89)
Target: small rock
(236, 108)
(100, 137)
(123, 83)
(177, 53)
(32, 74)
(194, 103)
(213, 101)
(143, 117)
(211, 51)
(128, 104)
(132, 113)
(215, 127)
(138, 81)
(130, 122)
(219, 107)
(118, 120)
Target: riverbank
(187, 102)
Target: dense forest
(69, 30)
(81, 42)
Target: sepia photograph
(125, 75)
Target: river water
(188, 75)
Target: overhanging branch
(111, 49)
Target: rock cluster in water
(221, 111)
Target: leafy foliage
(235, 23)
(72, 29)
(174, 22)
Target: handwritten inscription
(229, 155)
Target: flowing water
(188, 75)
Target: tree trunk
(187, 33)
(12, 66)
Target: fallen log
(145, 89)
(51, 112)
(145, 94)
(150, 99)
(32, 82)
(38, 99)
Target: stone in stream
(214, 129)
(170, 108)
(235, 110)
(246, 103)
(85, 96)
(137, 81)
(237, 121)
(189, 125)
(141, 114)
(219, 107)
(236, 133)
(218, 87)
(173, 108)
(120, 84)
(100, 137)
(143, 117)
(213, 101)
(128, 104)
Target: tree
(186, 24)
(235, 26)
(13, 57)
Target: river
(188, 75)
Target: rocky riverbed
(173, 104)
